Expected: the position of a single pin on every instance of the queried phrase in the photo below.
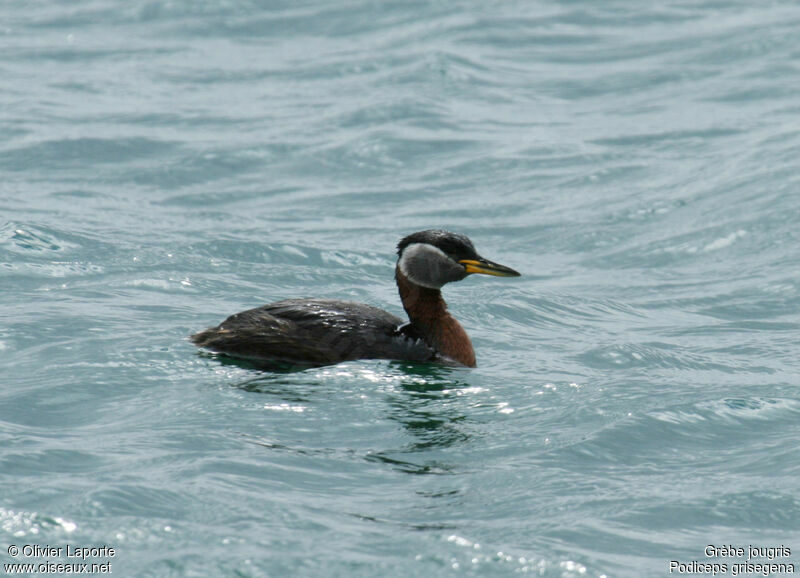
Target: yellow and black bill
(486, 267)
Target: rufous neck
(428, 313)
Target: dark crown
(452, 244)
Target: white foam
(725, 241)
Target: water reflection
(426, 404)
(427, 400)
(272, 366)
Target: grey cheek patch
(429, 266)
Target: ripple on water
(29, 239)
(701, 435)
(36, 251)
(61, 461)
(20, 524)
(77, 153)
(462, 555)
(654, 354)
(140, 499)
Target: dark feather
(315, 332)
(456, 246)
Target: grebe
(313, 332)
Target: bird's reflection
(421, 398)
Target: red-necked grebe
(327, 331)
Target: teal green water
(164, 164)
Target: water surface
(165, 164)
